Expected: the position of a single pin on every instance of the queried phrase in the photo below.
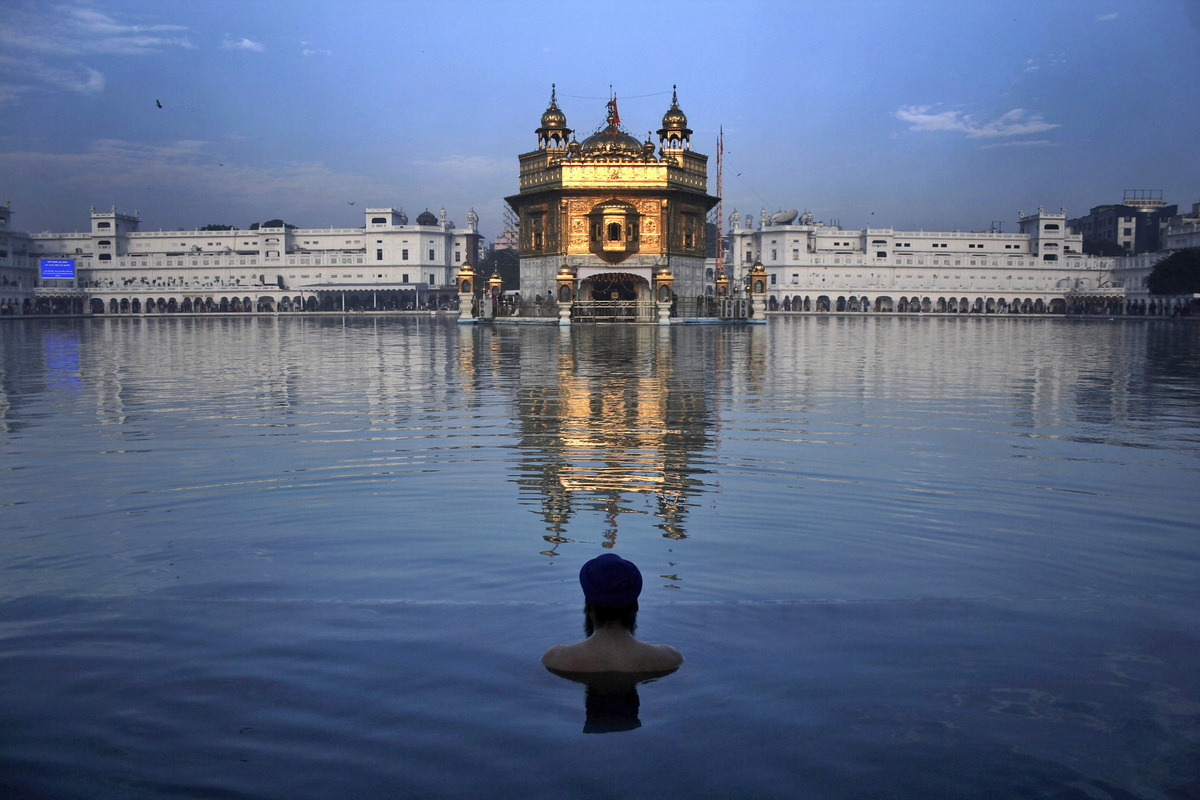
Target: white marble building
(813, 266)
(119, 268)
(1183, 232)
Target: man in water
(611, 586)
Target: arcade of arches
(989, 304)
(282, 302)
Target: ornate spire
(674, 134)
(554, 131)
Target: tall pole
(720, 209)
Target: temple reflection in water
(611, 420)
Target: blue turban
(610, 580)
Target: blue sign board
(58, 269)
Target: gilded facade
(611, 222)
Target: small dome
(674, 134)
(554, 117)
(554, 131)
(674, 119)
(426, 218)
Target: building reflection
(612, 420)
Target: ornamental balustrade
(613, 311)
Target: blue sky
(914, 115)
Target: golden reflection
(616, 426)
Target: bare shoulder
(663, 656)
(562, 657)
(591, 655)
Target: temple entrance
(616, 287)
(614, 297)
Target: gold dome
(611, 140)
(554, 117)
(674, 134)
(554, 132)
(674, 119)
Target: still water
(320, 557)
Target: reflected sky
(874, 457)
(332, 549)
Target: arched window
(614, 231)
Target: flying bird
(349, 202)
(158, 103)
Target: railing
(1099, 291)
(613, 311)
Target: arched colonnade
(923, 304)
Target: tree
(271, 223)
(1103, 247)
(505, 263)
(1178, 273)
(215, 227)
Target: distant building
(509, 239)
(1179, 232)
(1183, 230)
(1136, 224)
(812, 266)
(121, 269)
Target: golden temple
(612, 228)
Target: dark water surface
(320, 557)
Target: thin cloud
(1023, 143)
(85, 80)
(80, 31)
(316, 52)
(115, 167)
(1017, 122)
(10, 92)
(39, 44)
(466, 167)
(1107, 17)
(243, 44)
(24, 74)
